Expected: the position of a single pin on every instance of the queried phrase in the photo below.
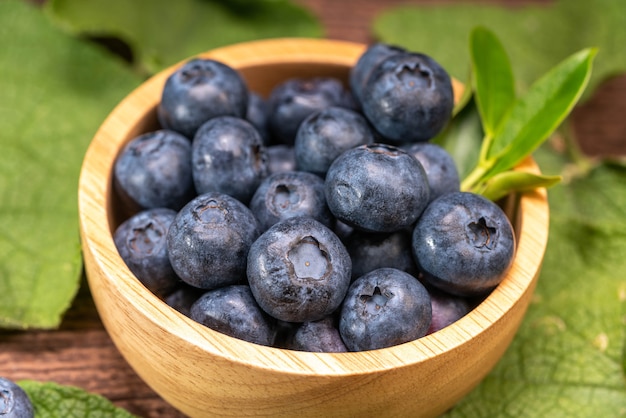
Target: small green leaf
(54, 93)
(51, 400)
(540, 111)
(504, 183)
(161, 32)
(493, 79)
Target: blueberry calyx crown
(375, 302)
(145, 238)
(309, 260)
(211, 212)
(482, 235)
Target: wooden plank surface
(80, 353)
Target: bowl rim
(95, 185)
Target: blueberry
(228, 156)
(182, 297)
(284, 333)
(200, 90)
(377, 188)
(289, 194)
(463, 243)
(291, 101)
(233, 311)
(325, 134)
(361, 71)
(14, 402)
(383, 308)
(281, 158)
(343, 230)
(440, 167)
(370, 251)
(447, 309)
(141, 241)
(154, 170)
(408, 98)
(209, 240)
(257, 114)
(318, 337)
(298, 270)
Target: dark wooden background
(81, 353)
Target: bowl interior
(141, 325)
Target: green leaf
(462, 138)
(161, 33)
(507, 182)
(568, 358)
(537, 36)
(493, 79)
(532, 119)
(51, 400)
(540, 111)
(54, 93)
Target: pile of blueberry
(321, 218)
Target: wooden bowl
(204, 373)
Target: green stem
(474, 177)
(484, 149)
(483, 165)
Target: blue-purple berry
(293, 100)
(326, 134)
(376, 188)
(141, 241)
(409, 98)
(233, 311)
(383, 308)
(228, 156)
(361, 71)
(209, 240)
(447, 309)
(14, 401)
(464, 244)
(299, 270)
(199, 90)
(318, 337)
(154, 171)
(440, 167)
(289, 194)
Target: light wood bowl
(204, 373)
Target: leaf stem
(484, 149)
(473, 178)
(483, 165)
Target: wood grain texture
(81, 353)
(206, 373)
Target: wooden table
(81, 353)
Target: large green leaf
(54, 93)
(51, 400)
(162, 32)
(568, 359)
(537, 36)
